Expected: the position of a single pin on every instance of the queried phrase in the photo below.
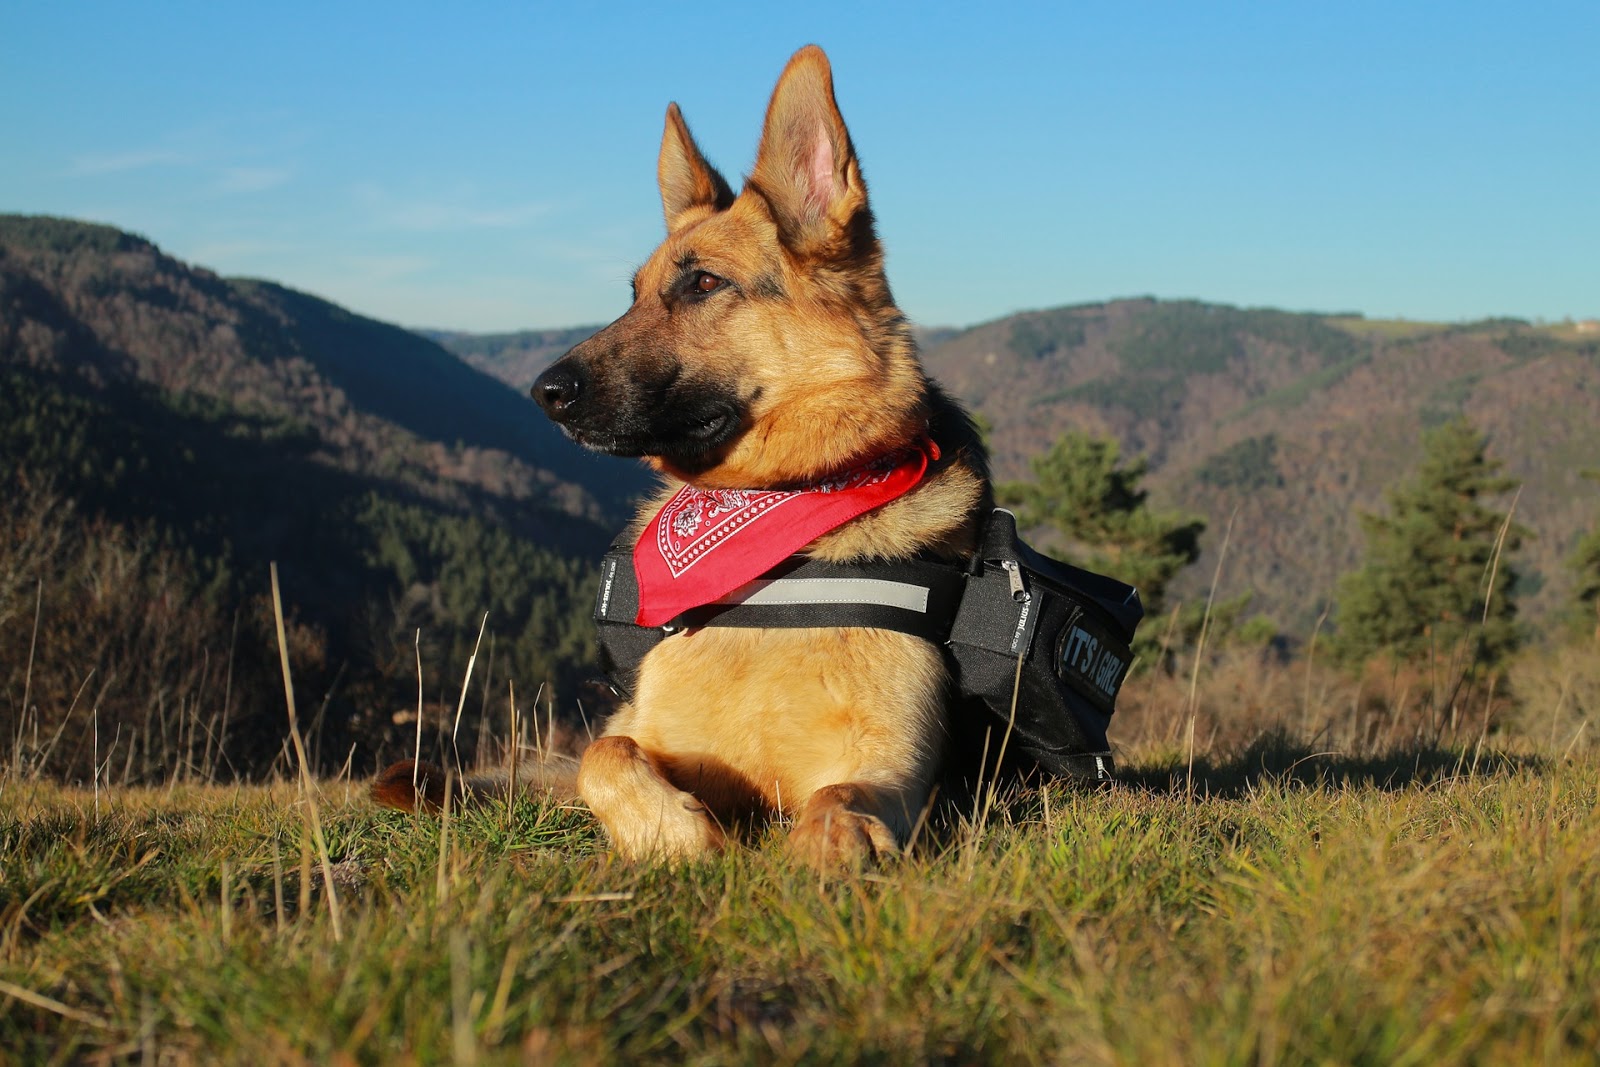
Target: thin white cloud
(386, 268)
(228, 255)
(459, 211)
(253, 179)
(121, 162)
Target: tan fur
(840, 730)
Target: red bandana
(705, 543)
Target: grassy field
(1276, 906)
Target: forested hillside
(1291, 423)
(205, 427)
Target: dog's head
(763, 346)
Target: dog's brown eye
(705, 282)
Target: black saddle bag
(1046, 647)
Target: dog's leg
(848, 825)
(645, 815)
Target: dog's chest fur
(754, 721)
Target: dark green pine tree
(1434, 588)
(1585, 563)
(1101, 519)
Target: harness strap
(916, 597)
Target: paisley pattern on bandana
(696, 521)
(730, 536)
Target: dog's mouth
(687, 437)
(713, 427)
(607, 443)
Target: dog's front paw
(829, 835)
(645, 816)
(680, 829)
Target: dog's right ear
(806, 167)
(687, 181)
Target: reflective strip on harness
(794, 592)
(916, 597)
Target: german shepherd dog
(763, 350)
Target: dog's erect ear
(687, 180)
(806, 168)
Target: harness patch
(1085, 657)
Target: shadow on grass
(1277, 759)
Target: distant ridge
(1297, 420)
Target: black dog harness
(1044, 645)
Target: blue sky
(491, 167)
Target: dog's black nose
(557, 389)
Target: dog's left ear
(687, 180)
(806, 168)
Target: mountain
(1289, 424)
(220, 425)
(112, 307)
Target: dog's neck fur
(950, 503)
